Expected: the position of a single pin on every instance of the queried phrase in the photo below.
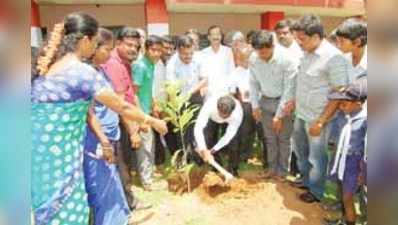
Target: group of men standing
(280, 79)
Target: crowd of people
(96, 111)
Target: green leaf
(187, 169)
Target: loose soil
(247, 200)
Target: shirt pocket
(317, 100)
(317, 68)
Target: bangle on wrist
(146, 119)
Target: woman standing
(60, 97)
(106, 197)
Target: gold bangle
(146, 119)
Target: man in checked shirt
(272, 85)
(322, 69)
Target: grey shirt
(273, 79)
(319, 72)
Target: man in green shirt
(143, 76)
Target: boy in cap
(351, 145)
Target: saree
(57, 183)
(104, 188)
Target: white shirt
(187, 73)
(210, 111)
(295, 51)
(216, 66)
(240, 78)
(158, 90)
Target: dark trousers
(173, 139)
(212, 132)
(294, 170)
(262, 143)
(293, 165)
(124, 159)
(247, 133)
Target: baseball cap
(357, 91)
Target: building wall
(180, 22)
(107, 15)
(329, 22)
(134, 15)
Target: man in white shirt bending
(216, 63)
(219, 112)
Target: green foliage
(180, 113)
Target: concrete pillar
(157, 17)
(36, 38)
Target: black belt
(266, 97)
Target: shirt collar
(276, 54)
(147, 61)
(273, 57)
(220, 50)
(116, 56)
(322, 48)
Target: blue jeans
(311, 155)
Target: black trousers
(247, 133)
(124, 160)
(212, 132)
(171, 141)
(293, 165)
(263, 143)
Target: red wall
(269, 19)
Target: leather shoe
(298, 185)
(308, 198)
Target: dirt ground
(249, 200)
